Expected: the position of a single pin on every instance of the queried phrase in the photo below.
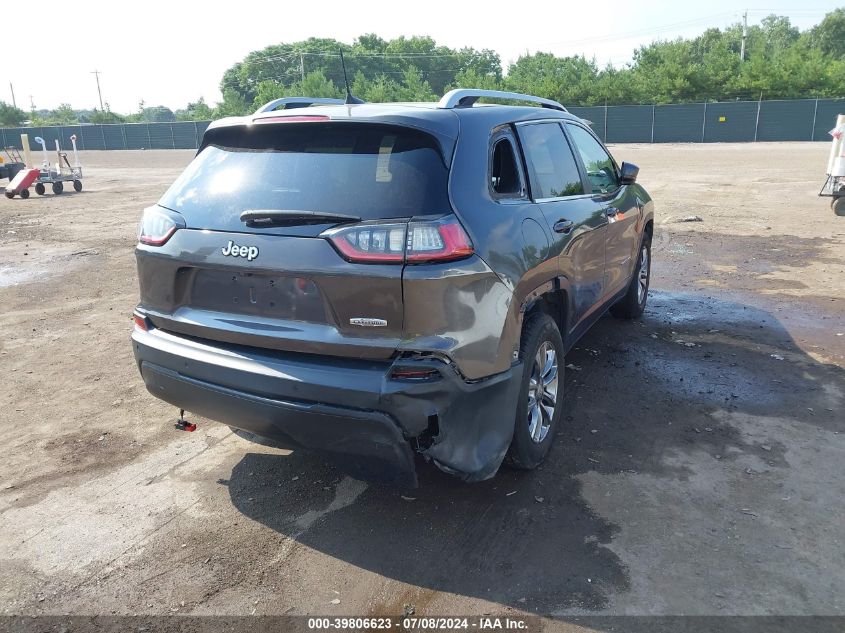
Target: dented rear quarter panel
(510, 237)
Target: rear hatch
(250, 262)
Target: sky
(170, 53)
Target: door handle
(611, 211)
(563, 226)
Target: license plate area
(260, 294)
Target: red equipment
(21, 182)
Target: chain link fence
(717, 122)
(176, 135)
(727, 121)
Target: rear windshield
(365, 170)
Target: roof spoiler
(297, 102)
(466, 97)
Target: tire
(632, 305)
(40, 188)
(77, 185)
(24, 193)
(58, 187)
(10, 194)
(838, 205)
(535, 428)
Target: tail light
(400, 242)
(158, 225)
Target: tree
(233, 104)
(11, 116)
(315, 84)
(105, 116)
(197, 110)
(385, 64)
(138, 116)
(63, 115)
(157, 114)
(829, 35)
(471, 78)
(414, 87)
(565, 79)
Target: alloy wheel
(642, 281)
(542, 392)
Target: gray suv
(383, 282)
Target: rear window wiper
(287, 217)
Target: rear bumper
(348, 410)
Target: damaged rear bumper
(353, 411)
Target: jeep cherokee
(379, 281)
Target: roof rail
(297, 102)
(466, 97)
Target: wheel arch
(552, 298)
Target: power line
(399, 55)
(293, 55)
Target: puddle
(38, 264)
(12, 276)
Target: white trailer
(834, 186)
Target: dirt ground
(700, 470)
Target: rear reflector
(141, 322)
(414, 374)
(400, 242)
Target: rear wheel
(10, 194)
(24, 193)
(838, 205)
(539, 408)
(40, 189)
(77, 185)
(633, 303)
(58, 187)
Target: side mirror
(629, 173)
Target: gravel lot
(701, 469)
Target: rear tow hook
(183, 425)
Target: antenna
(349, 98)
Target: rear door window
(370, 171)
(553, 172)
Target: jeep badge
(233, 250)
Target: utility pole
(12, 88)
(96, 73)
(31, 103)
(302, 65)
(744, 35)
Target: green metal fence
(720, 122)
(727, 121)
(177, 135)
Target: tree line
(781, 62)
(66, 115)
